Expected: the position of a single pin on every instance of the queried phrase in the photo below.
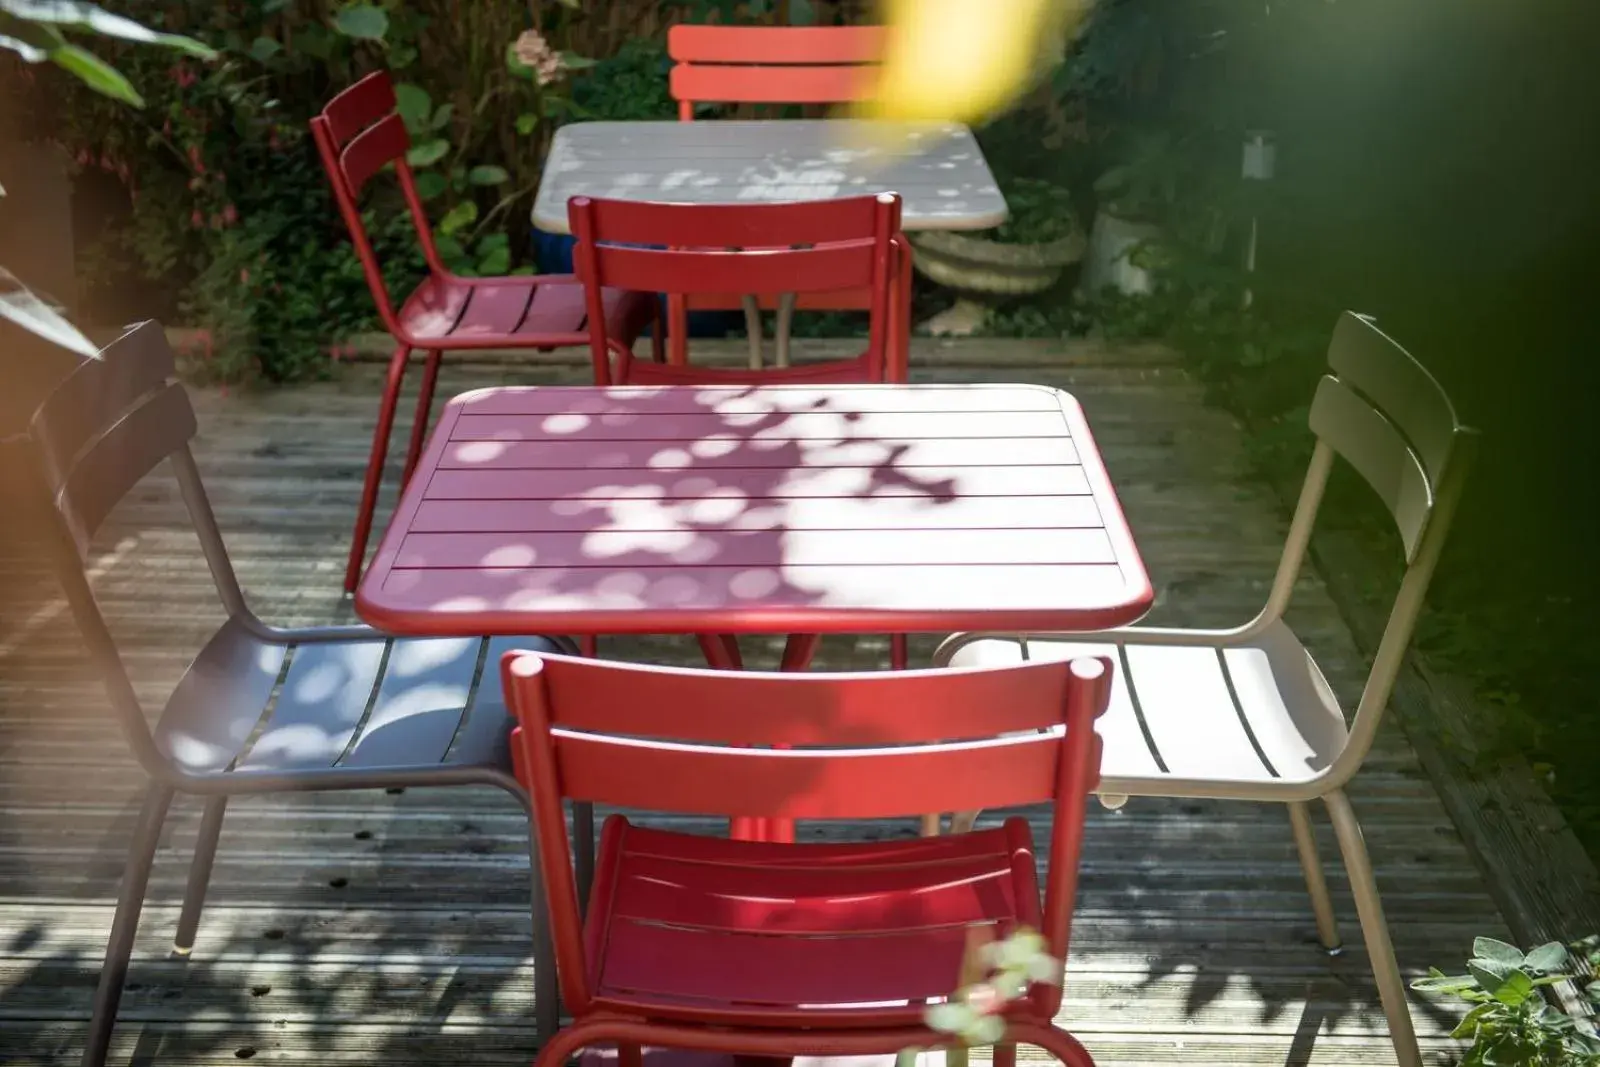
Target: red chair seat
(548, 309)
(785, 935)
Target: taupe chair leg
(1369, 909)
(125, 924)
(205, 854)
(1305, 840)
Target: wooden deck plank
(1194, 942)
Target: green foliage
(630, 86)
(35, 32)
(1510, 1023)
(1041, 212)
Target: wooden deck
(393, 929)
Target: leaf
(1439, 982)
(488, 174)
(1517, 988)
(463, 214)
(1487, 948)
(573, 61)
(441, 117)
(414, 105)
(75, 15)
(96, 73)
(497, 261)
(364, 22)
(576, 5)
(527, 122)
(264, 48)
(1469, 1023)
(950, 1017)
(428, 153)
(1488, 975)
(802, 13)
(987, 1030)
(27, 52)
(1547, 957)
(430, 184)
(21, 305)
(1593, 990)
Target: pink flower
(230, 215)
(244, 275)
(194, 159)
(197, 220)
(535, 53)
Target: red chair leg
(589, 646)
(677, 331)
(658, 336)
(1005, 1056)
(899, 653)
(380, 450)
(630, 1056)
(419, 428)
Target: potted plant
(1134, 198)
(1511, 1024)
(1027, 254)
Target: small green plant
(1511, 1024)
(1040, 212)
(994, 975)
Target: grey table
(937, 168)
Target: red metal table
(784, 509)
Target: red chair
(358, 135)
(817, 949)
(774, 65)
(748, 248)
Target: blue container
(553, 253)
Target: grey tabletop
(938, 169)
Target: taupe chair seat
(1245, 714)
(1195, 719)
(432, 705)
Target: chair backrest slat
(813, 270)
(1386, 415)
(772, 64)
(371, 150)
(860, 784)
(358, 107)
(92, 397)
(723, 226)
(776, 45)
(902, 708)
(1370, 444)
(770, 85)
(1376, 366)
(153, 430)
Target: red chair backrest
(358, 133)
(772, 64)
(758, 249)
(861, 746)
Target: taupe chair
(261, 709)
(1245, 714)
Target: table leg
(780, 329)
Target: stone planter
(983, 272)
(1111, 243)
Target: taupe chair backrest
(110, 423)
(1384, 414)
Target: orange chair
(774, 65)
(776, 950)
(360, 133)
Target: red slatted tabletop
(784, 509)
